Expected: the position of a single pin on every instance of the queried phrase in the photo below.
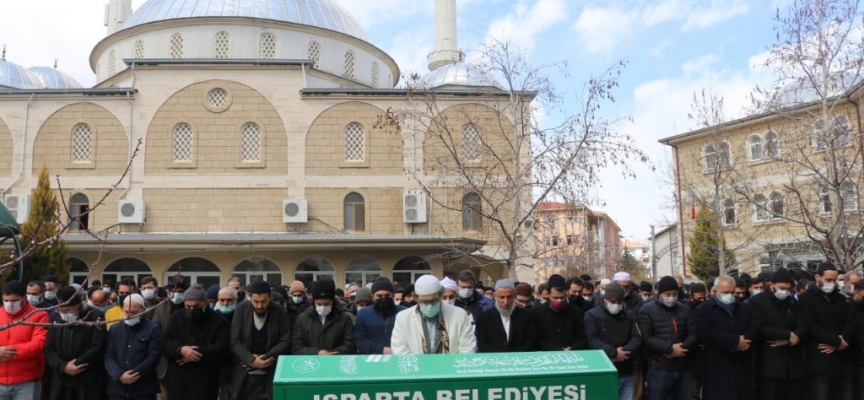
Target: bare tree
(489, 149)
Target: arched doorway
(258, 268)
(408, 269)
(362, 270)
(78, 270)
(126, 268)
(195, 270)
(313, 269)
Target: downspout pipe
(23, 147)
(130, 135)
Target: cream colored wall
(104, 214)
(496, 132)
(7, 153)
(213, 210)
(383, 209)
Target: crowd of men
(775, 336)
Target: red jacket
(29, 363)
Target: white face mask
(727, 298)
(69, 317)
(297, 299)
(613, 309)
(645, 298)
(12, 307)
(669, 301)
(587, 298)
(465, 293)
(398, 302)
(450, 302)
(132, 321)
(781, 294)
(756, 291)
(34, 299)
(323, 311)
(827, 287)
(841, 283)
(149, 294)
(177, 297)
(50, 295)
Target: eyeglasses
(429, 302)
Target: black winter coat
(728, 373)
(857, 310)
(492, 338)
(663, 327)
(196, 380)
(608, 332)
(311, 336)
(558, 330)
(777, 319)
(278, 341)
(827, 317)
(85, 345)
(133, 348)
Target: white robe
(408, 331)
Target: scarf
(443, 340)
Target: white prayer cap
(134, 298)
(426, 285)
(448, 283)
(621, 276)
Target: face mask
(613, 309)
(828, 287)
(121, 299)
(132, 321)
(384, 304)
(841, 284)
(489, 297)
(430, 310)
(397, 302)
(177, 298)
(465, 293)
(50, 296)
(557, 304)
(587, 298)
(669, 301)
(194, 314)
(297, 299)
(727, 298)
(323, 311)
(12, 307)
(149, 294)
(449, 302)
(68, 317)
(645, 298)
(781, 294)
(756, 291)
(107, 290)
(543, 301)
(226, 309)
(33, 299)
(602, 292)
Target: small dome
(17, 77)
(460, 74)
(52, 78)
(327, 14)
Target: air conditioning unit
(414, 207)
(130, 212)
(19, 206)
(295, 211)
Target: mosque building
(261, 154)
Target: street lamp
(9, 229)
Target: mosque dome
(17, 77)
(52, 78)
(326, 14)
(460, 74)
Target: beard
(507, 312)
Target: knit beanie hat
(213, 292)
(666, 284)
(382, 283)
(782, 275)
(324, 289)
(195, 293)
(364, 295)
(614, 292)
(646, 286)
(297, 286)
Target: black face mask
(385, 304)
(121, 300)
(575, 299)
(194, 314)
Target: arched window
(255, 269)
(355, 213)
(723, 155)
(761, 204)
(849, 194)
(825, 200)
(126, 268)
(79, 216)
(314, 53)
(250, 143)
(195, 270)
(755, 144)
(349, 64)
(472, 217)
(82, 141)
(176, 46)
(408, 269)
(182, 143)
(313, 269)
(709, 155)
(355, 142)
(729, 217)
(375, 73)
(470, 142)
(776, 206)
(268, 46)
(112, 63)
(838, 135)
(138, 49)
(362, 270)
(222, 45)
(772, 145)
(78, 270)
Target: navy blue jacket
(372, 332)
(137, 348)
(476, 305)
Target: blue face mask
(430, 310)
(226, 309)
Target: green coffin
(580, 375)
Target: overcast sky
(674, 48)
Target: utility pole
(653, 255)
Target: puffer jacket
(608, 332)
(661, 328)
(310, 336)
(29, 363)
